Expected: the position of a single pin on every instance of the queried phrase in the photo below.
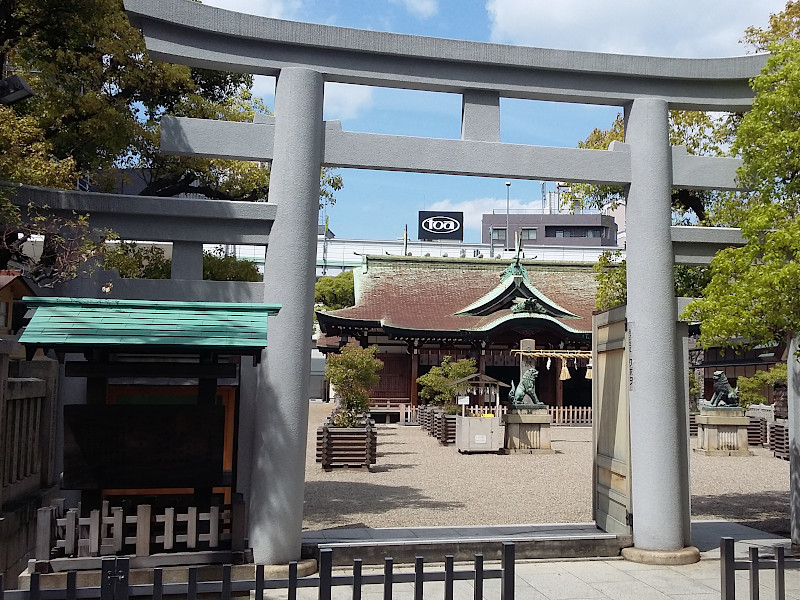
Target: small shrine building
(418, 310)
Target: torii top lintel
(191, 33)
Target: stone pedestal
(722, 431)
(528, 431)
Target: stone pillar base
(722, 431)
(528, 431)
(684, 556)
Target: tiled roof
(426, 293)
(84, 322)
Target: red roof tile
(424, 293)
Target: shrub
(353, 373)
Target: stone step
(374, 545)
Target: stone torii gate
(304, 57)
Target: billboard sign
(441, 225)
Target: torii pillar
(659, 452)
(277, 475)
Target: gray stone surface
(306, 55)
(161, 219)
(657, 407)
(281, 412)
(213, 38)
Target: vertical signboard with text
(441, 225)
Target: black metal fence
(753, 565)
(115, 581)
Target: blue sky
(376, 205)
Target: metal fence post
(259, 582)
(388, 577)
(72, 584)
(226, 582)
(191, 591)
(780, 574)
(419, 577)
(507, 580)
(357, 578)
(121, 579)
(479, 577)
(107, 578)
(292, 594)
(325, 568)
(754, 573)
(35, 591)
(727, 572)
(448, 577)
(158, 584)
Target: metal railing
(753, 565)
(115, 581)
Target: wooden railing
(21, 437)
(570, 415)
(106, 531)
(479, 411)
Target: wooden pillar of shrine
(414, 374)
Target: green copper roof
(88, 322)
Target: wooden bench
(389, 407)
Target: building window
(595, 233)
(528, 234)
(499, 235)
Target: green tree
(218, 266)
(435, 383)
(612, 285)
(26, 157)
(99, 99)
(701, 133)
(353, 373)
(332, 293)
(753, 294)
(137, 262)
(751, 389)
(150, 262)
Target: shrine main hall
(418, 310)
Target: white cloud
(474, 209)
(264, 88)
(277, 9)
(681, 28)
(344, 101)
(423, 9)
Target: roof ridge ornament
(515, 269)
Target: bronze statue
(526, 387)
(724, 394)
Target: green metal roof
(91, 323)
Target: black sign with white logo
(441, 225)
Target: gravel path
(418, 482)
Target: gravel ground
(418, 482)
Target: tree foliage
(26, 158)
(100, 98)
(754, 293)
(336, 292)
(147, 261)
(612, 285)
(137, 262)
(751, 389)
(435, 383)
(700, 133)
(353, 373)
(218, 266)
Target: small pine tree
(435, 383)
(353, 373)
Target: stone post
(281, 412)
(658, 455)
